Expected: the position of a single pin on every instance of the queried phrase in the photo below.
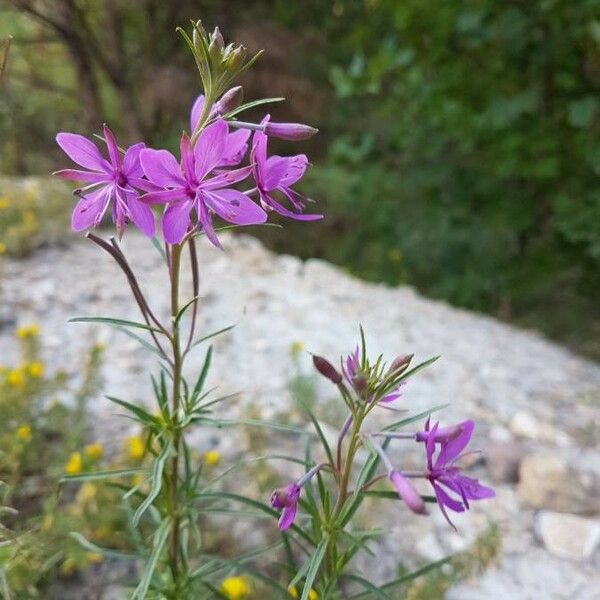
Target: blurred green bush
(459, 150)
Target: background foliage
(459, 149)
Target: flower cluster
(194, 187)
(364, 386)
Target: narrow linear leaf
(143, 416)
(114, 323)
(255, 423)
(159, 248)
(98, 475)
(249, 105)
(417, 417)
(147, 345)
(313, 567)
(373, 589)
(408, 577)
(156, 478)
(183, 309)
(160, 539)
(202, 377)
(85, 543)
(212, 335)
(319, 431)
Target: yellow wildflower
(2, 247)
(296, 348)
(293, 592)
(137, 479)
(27, 331)
(235, 588)
(74, 464)
(36, 369)
(4, 203)
(24, 433)
(211, 458)
(15, 378)
(93, 557)
(135, 447)
(86, 493)
(47, 523)
(68, 566)
(93, 451)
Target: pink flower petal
(90, 209)
(175, 221)
(83, 152)
(234, 207)
(132, 167)
(210, 148)
(87, 176)
(162, 168)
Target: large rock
(547, 480)
(568, 536)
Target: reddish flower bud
(327, 369)
(229, 101)
(400, 363)
(290, 131)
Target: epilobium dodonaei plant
(223, 171)
(344, 481)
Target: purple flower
(286, 500)
(444, 476)
(113, 180)
(407, 492)
(278, 173)
(198, 183)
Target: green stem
(176, 400)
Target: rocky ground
(537, 405)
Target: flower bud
(327, 369)
(290, 131)
(216, 40)
(229, 101)
(400, 364)
(359, 383)
(236, 59)
(407, 492)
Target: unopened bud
(290, 131)
(236, 59)
(407, 492)
(327, 369)
(359, 383)
(400, 363)
(229, 101)
(216, 39)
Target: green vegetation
(470, 157)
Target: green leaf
(156, 243)
(250, 502)
(202, 377)
(212, 335)
(417, 417)
(99, 475)
(142, 415)
(418, 368)
(376, 591)
(249, 105)
(156, 478)
(147, 345)
(160, 539)
(85, 543)
(313, 567)
(254, 423)
(319, 431)
(183, 309)
(114, 323)
(408, 577)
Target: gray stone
(547, 480)
(568, 536)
